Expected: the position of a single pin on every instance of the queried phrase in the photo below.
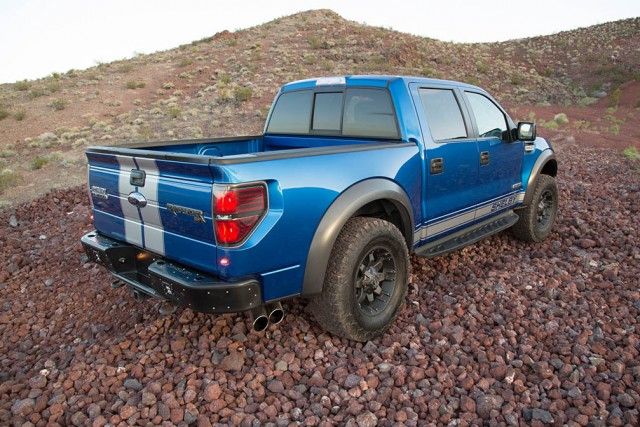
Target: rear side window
(292, 113)
(364, 113)
(443, 114)
(369, 112)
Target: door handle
(484, 158)
(437, 166)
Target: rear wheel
(366, 280)
(537, 219)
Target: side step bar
(467, 236)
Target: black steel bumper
(155, 276)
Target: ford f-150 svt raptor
(350, 176)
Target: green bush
(185, 61)
(54, 87)
(36, 92)
(38, 162)
(8, 179)
(23, 85)
(242, 94)
(560, 118)
(20, 115)
(58, 104)
(174, 111)
(631, 153)
(3, 113)
(134, 85)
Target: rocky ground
(499, 333)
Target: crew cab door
(451, 159)
(500, 165)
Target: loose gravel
(500, 333)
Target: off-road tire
(537, 219)
(363, 242)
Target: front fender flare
(340, 211)
(541, 162)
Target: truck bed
(242, 149)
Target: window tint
(489, 118)
(369, 112)
(443, 114)
(327, 111)
(291, 113)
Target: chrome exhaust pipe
(275, 313)
(259, 319)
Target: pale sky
(38, 37)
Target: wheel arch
(378, 198)
(546, 164)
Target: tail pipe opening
(275, 313)
(259, 319)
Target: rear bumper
(168, 280)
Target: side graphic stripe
(151, 220)
(456, 221)
(132, 228)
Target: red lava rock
(126, 411)
(148, 399)
(368, 419)
(212, 392)
(178, 345)
(467, 404)
(485, 403)
(38, 381)
(234, 361)
(587, 243)
(22, 408)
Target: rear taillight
(237, 211)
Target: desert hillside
(224, 85)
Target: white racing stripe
(132, 228)
(153, 230)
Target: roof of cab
(366, 80)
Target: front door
(500, 166)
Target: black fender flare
(547, 157)
(339, 212)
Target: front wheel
(366, 281)
(537, 219)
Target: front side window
(490, 120)
(443, 114)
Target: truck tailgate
(163, 206)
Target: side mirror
(526, 131)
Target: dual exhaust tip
(263, 316)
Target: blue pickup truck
(350, 176)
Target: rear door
(451, 159)
(163, 206)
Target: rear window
(369, 112)
(354, 112)
(292, 113)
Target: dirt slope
(225, 84)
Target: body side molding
(340, 211)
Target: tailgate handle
(137, 178)
(137, 199)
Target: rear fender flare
(340, 211)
